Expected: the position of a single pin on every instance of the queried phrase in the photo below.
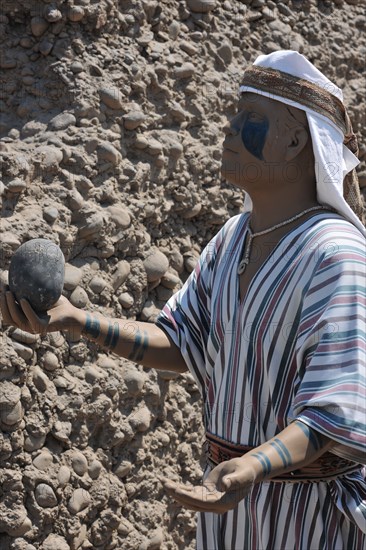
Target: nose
(230, 129)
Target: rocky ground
(111, 128)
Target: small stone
(79, 501)
(43, 461)
(33, 443)
(225, 52)
(11, 415)
(190, 263)
(188, 47)
(156, 265)
(50, 361)
(8, 64)
(120, 216)
(79, 463)
(56, 339)
(156, 539)
(285, 10)
(62, 430)
(185, 71)
(20, 529)
(52, 15)
(48, 157)
(269, 15)
(75, 13)
(94, 469)
(141, 142)
(155, 147)
(201, 6)
(24, 337)
(140, 420)
(77, 67)
(126, 300)
(133, 120)
(61, 121)
(50, 214)
(76, 201)
(63, 475)
(10, 395)
(123, 469)
(55, 542)
(134, 381)
(38, 26)
(111, 97)
(24, 352)
(93, 374)
(16, 185)
(79, 297)
(163, 293)
(169, 280)
(149, 311)
(97, 284)
(173, 30)
(40, 379)
(107, 152)
(26, 42)
(125, 527)
(177, 260)
(176, 149)
(8, 238)
(121, 273)
(73, 276)
(45, 46)
(45, 496)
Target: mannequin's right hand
(62, 316)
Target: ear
(298, 139)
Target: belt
(325, 468)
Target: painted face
(254, 132)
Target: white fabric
(332, 159)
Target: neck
(269, 210)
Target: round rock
(79, 297)
(36, 273)
(80, 499)
(201, 6)
(45, 496)
(156, 265)
(50, 361)
(79, 463)
(55, 542)
(111, 97)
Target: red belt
(325, 468)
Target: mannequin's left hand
(225, 486)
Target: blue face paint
(253, 135)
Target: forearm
(292, 449)
(143, 343)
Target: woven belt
(324, 468)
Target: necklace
(245, 261)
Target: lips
(224, 145)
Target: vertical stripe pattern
(295, 347)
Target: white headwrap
(333, 160)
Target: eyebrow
(250, 105)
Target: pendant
(245, 261)
(242, 266)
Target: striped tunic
(294, 348)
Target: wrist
(76, 321)
(254, 466)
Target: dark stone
(36, 273)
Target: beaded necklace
(245, 261)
